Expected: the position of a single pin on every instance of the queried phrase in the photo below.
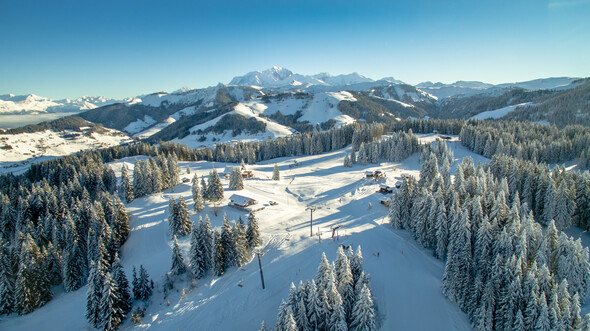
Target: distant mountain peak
(281, 77)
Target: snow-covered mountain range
(281, 77)
(277, 102)
(31, 103)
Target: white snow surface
(498, 113)
(405, 278)
(140, 124)
(321, 107)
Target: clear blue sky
(125, 48)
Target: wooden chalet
(385, 201)
(247, 174)
(377, 174)
(385, 189)
(244, 203)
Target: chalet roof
(240, 199)
(384, 186)
(369, 172)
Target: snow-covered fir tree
(219, 254)
(252, 232)
(126, 185)
(142, 288)
(275, 173)
(347, 161)
(122, 286)
(178, 266)
(32, 288)
(236, 182)
(228, 243)
(7, 304)
(94, 294)
(321, 307)
(214, 187)
(111, 315)
(197, 195)
(363, 313)
(240, 242)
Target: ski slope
(406, 278)
(498, 113)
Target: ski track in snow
(406, 278)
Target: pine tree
(172, 216)
(197, 195)
(236, 182)
(575, 320)
(122, 285)
(53, 265)
(363, 317)
(94, 294)
(135, 285)
(214, 187)
(456, 280)
(275, 173)
(301, 318)
(323, 273)
(252, 232)
(111, 315)
(220, 258)
(356, 264)
(542, 323)
(347, 161)
(183, 221)
(126, 185)
(346, 290)
(204, 190)
(121, 223)
(564, 207)
(178, 267)
(32, 288)
(362, 155)
(337, 321)
(196, 255)
(142, 289)
(74, 265)
(313, 307)
(173, 170)
(7, 304)
(241, 243)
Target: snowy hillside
(405, 278)
(18, 151)
(497, 113)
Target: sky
(66, 49)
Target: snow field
(39, 146)
(498, 113)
